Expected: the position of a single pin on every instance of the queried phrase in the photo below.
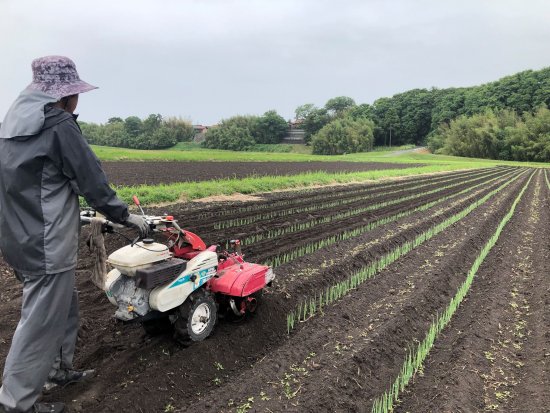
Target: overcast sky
(211, 59)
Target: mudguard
(239, 279)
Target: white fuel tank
(130, 258)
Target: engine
(131, 301)
(139, 268)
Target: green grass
(192, 152)
(393, 148)
(277, 148)
(183, 191)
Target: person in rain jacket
(45, 164)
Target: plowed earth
(154, 173)
(343, 358)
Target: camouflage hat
(57, 76)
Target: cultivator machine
(180, 284)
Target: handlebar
(156, 223)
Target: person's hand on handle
(139, 223)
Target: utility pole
(390, 136)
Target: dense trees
(496, 134)
(240, 133)
(154, 132)
(413, 116)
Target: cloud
(207, 60)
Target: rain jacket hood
(26, 115)
(45, 163)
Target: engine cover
(131, 258)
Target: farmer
(45, 163)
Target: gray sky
(211, 59)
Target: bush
(344, 136)
(497, 134)
(231, 137)
(240, 133)
(183, 130)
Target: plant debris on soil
(342, 358)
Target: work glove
(139, 223)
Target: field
(133, 173)
(420, 294)
(218, 172)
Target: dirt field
(153, 173)
(493, 355)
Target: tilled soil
(341, 360)
(255, 359)
(154, 173)
(495, 354)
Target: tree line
(413, 116)
(153, 132)
(418, 116)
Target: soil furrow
(277, 223)
(282, 215)
(279, 201)
(126, 350)
(340, 361)
(266, 250)
(147, 373)
(494, 355)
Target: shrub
(344, 136)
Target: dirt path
(421, 149)
(495, 354)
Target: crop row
(310, 306)
(416, 355)
(313, 207)
(306, 225)
(311, 247)
(308, 195)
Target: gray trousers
(44, 339)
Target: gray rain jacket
(45, 163)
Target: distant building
(200, 132)
(295, 132)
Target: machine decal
(200, 278)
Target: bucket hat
(57, 77)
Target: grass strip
(310, 306)
(345, 235)
(306, 225)
(183, 191)
(122, 154)
(546, 177)
(416, 356)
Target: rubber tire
(183, 332)
(158, 326)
